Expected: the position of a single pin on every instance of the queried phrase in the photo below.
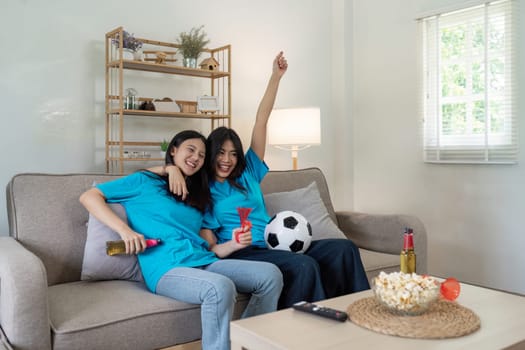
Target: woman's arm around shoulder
(176, 180)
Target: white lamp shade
(294, 127)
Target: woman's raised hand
(280, 65)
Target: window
(468, 89)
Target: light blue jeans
(215, 287)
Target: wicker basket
(187, 106)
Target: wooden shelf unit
(116, 67)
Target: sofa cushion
(307, 202)
(108, 315)
(97, 265)
(4, 344)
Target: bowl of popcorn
(405, 293)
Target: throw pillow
(97, 265)
(307, 202)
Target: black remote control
(321, 311)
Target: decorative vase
(163, 154)
(190, 62)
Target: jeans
(342, 270)
(329, 268)
(215, 287)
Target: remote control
(321, 311)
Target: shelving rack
(116, 113)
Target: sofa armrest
(24, 313)
(4, 344)
(384, 233)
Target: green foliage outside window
(454, 118)
(453, 80)
(453, 42)
(478, 112)
(463, 80)
(497, 116)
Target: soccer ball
(288, 230)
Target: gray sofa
(45, 305)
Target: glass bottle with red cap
(119, 247)
(408, 256)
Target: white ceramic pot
(138, 55)
(128, 54)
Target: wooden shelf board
(134, 143)
(142, 113)
(135, 159)
(166, 68)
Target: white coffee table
(502, 318)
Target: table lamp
(294, 129)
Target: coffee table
(501, 314)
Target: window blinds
(469, 89)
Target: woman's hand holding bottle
(135, 242)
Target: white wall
(474, 214)
(52, 72)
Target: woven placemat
(444, 319)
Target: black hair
(199, 195)
(214, 143)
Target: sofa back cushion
(289, 180)
(97, 265)
(307, 202)
(45, 216)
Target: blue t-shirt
(224, 218)
(153, 212)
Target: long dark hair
(214, 144)
(198, 187)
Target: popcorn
(406, 293)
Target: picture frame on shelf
(207, 104)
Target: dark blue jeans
(329, 268)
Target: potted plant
(191, 44)
(129, 44)
(164, 148)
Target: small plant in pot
(164, 148)
(129, 43)
(191, 44)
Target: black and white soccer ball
(288, 230)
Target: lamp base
(295, 152)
